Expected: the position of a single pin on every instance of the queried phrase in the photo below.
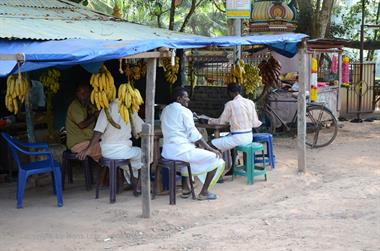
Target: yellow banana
(97, 102)
(15, 106)
(126, 114)
(92, 97)
(104, 99)
(113, 93)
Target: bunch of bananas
(171, 71)
(252, 78)
(17, 89)
(104, 91)
(135, 71)
(270, 72)
(237, 73)
(129, 101)
(49, 80)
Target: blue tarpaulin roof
(43, 54)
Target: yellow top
(76, 113)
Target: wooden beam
(152, 54)
(147, 144)
(13, 57)
(301, 119)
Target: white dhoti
(123, 151)
(201, 161)
(232, 140)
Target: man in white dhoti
(116, 143)
(240, 113)
(180, 139)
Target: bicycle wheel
(321, 126)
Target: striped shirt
(240, 113)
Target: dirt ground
(335, 205)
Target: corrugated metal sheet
(55, 20)
(37, 3)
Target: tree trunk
(171, 17)
(305, 17)
(371, 53)
(194, 5)
(324, 18)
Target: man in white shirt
(180, 139)
(240, 113)
(116, 143)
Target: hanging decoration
(314, 80)
(334, 64)
(345, 72)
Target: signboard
(238, 8)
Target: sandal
(185, 195)
(209, 196)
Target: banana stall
(71, 47)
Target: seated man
(80, 121)
(116, 143)
(241, 114)
(180, 139)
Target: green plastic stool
(250, 169)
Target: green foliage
(207, 19)
(351, 20)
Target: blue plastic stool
(249, 169)
(266, 138)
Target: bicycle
(321, 124)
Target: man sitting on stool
(240, 113)
(116, 143)
(180, 139)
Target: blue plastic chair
(42, 166)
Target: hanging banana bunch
(252, 78)
(171, 71)
(270, 72)
(129, 101)
(49, 80)
(17, 89)
(237, 73)
(104, 92)
(135, 71)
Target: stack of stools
(174, 166)
(67, 157)
(266, 138)
(113, 166)
(250, 167)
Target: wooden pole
(301, 120)
(237, 32)
(148, 135)
(150, 95)
(339, 83)
(145, 171)
(29, 115)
